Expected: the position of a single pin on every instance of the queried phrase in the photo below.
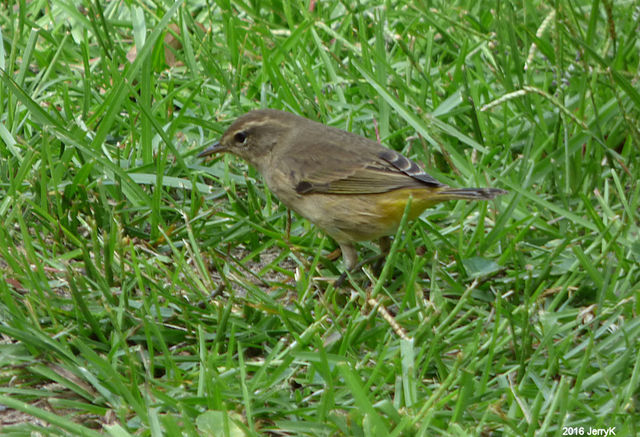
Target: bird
(353, 188)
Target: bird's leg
(350, 257)
(287, 229)
(385, 247)
(385, 244)
(287, 239)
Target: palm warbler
(351, 187)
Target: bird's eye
(240, 137)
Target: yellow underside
(393, 203)
(367, 216)
(370, 216)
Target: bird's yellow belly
(364, 216)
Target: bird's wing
(364, 168)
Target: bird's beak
(215, 148)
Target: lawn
(145, 291)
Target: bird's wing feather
(364, 167)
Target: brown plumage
(351, 187)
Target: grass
(145, 292)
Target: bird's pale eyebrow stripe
(261, 122)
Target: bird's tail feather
(470, 193)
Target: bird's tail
(470, 193)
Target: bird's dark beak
(215, 148)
